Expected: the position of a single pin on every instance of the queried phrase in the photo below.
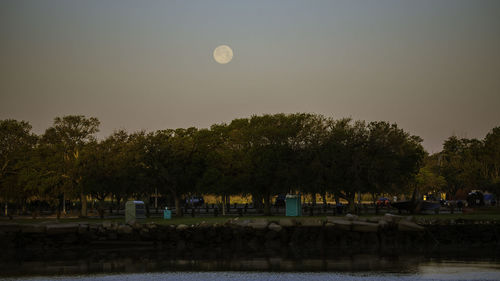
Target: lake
(356, 267)
(428, 271)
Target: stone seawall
(250, 238)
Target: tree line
(261, 156)
(463, 165)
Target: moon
(223, 54)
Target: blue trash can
(167, 214)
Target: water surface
(148, 264)
(428, 271)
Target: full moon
(223, 54)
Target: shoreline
(245, 237)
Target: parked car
(444, 203)
(280, 200)
(475, 199)
(383, 201)
(195, 201)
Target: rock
(33, 228)
(382, 224)
(152, 225)
(101, 230)
(261, 221)
(182, 227)
(112, 236)
(331, 219)
(274, 227)
(374, 219)
(62, 228)
(198, 236)
(343, 224)
(9, 227)
(311, 222)
(287, 222)
(404, 225)
(351, 217)
(135, 225)
(82, 228)
(125, 229)
(258, 224)
(329, 224)
(271, 235)
(364, 226)
(204, 224)
(93, 228)
(392, 218)
(106, 225)
(243, 223)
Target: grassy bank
(486, 214)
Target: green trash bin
(293, 205)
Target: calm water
(428, 271)
(149, 264)
(402, 269)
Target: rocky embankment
(307, 237)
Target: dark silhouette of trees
(16, 146)
(262, 156)
(70, 135)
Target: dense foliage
(260, 156)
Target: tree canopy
(262, 156)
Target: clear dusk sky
(433, 67)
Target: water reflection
(147, 260)
(443, 271)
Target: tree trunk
(118, 199)
(267, 205)
(23, 206)
(146, 206)
(223, 199)
(111, 205)
(59, 206)
(178, 209)
(352, 202)
(228, 202)
(64, 204)
(156, 199)
(257, 201)
(374, 199)
(101, 207)
(83, 200)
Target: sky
(432, 67)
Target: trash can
(167, 214)
(134, 212)
(293, 205)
